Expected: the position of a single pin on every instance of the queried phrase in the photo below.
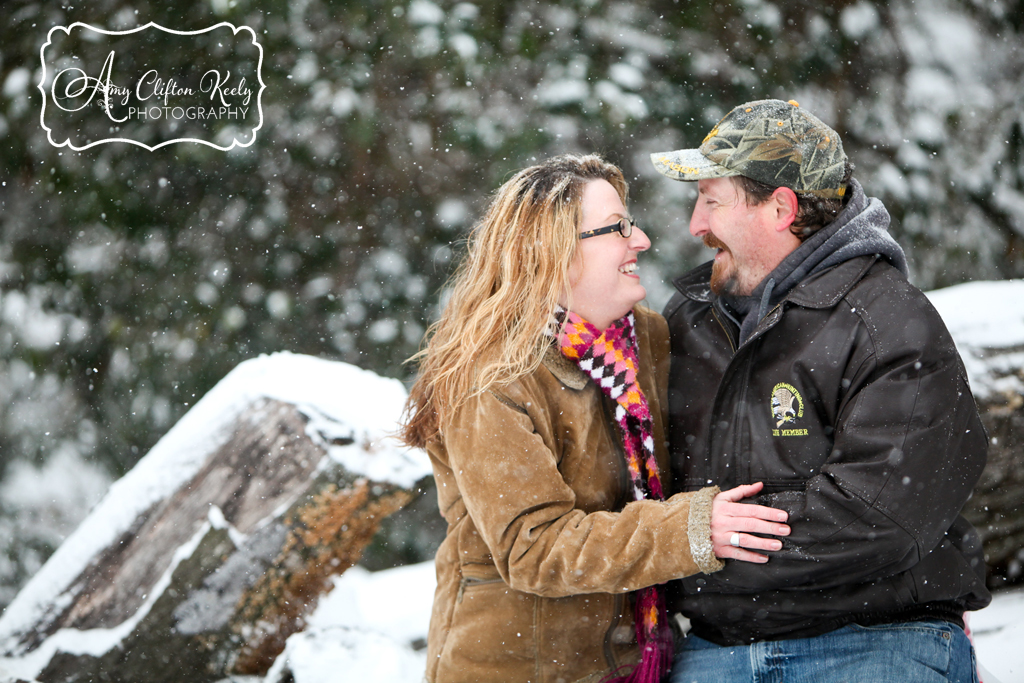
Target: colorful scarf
(609, 358)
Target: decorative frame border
(234, 142)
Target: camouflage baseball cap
(771, 141)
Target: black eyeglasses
(624, 227)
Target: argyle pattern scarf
(609, 358)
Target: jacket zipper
(467, 581)
(732, 344)
(724, 329)
(758, 331)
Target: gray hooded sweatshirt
(861, 228)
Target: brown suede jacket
(542, 546)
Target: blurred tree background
(132, 281)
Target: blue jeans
(912, 652)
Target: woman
(547, 469)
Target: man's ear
(784, 207)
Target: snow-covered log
(204, 558)
(986, 320)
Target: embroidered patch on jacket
(787, 408)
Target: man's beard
(721, 281)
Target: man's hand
(732, 524)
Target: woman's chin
(635, 301)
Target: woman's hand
(732, 524)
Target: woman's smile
(629, 269)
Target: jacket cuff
(699, 531)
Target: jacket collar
(695, 284)
(567, 372)
(821, 290)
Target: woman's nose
(638, 240)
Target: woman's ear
(784, 206)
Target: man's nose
(698, 223)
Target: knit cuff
(700, 531)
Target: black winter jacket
(850, 402)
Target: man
(802, 358)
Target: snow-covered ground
(999, 637)
(373, 626)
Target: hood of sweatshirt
(861, 228)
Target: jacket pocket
(471, 582)
(492, 632)
(476, 574)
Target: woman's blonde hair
(502, 296)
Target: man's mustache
(712, 242)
